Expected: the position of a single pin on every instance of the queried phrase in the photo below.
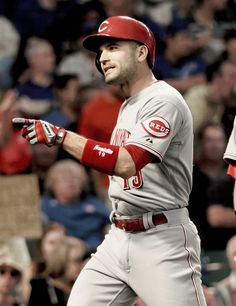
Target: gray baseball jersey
(230, 152)
(160, 265)
(158, 120)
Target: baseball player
(153, 249)
(230, 157)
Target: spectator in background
(208, 32)
(65, 32)
(230, 45)
(208, 166)
(15, 152)
(33, 18)
(9, 45)
(66, 91)
(41, 289)
(12, 266)
(229, 14)
(54, 273)
(220, 213)
(175, 13)
(35, 91)
(69, 203)
(210, 202)
(80, 61)
(208, 101)
(230, 55)
(46, 284)
(103, 108)
(225, 290)
(42, 159)
(178, 64)
(84, 95)
(75, 259)
(53, 235)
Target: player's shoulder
(164, 90)
(161, 93)
(164, 97)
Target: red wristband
(100, 156)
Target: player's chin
(112, 79)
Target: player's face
(118, 61)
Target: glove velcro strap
(100, 156)
(61, 134)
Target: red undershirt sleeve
(232, 171)
(140, 156)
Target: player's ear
(142, 53)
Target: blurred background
(54, 211)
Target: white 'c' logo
(103, 26)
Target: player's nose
(103, 58)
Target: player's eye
(112, 47)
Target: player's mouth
(108, 69)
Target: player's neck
(139, 83)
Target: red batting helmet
(125, 28)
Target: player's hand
(38, 131)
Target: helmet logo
(103, 26)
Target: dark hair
(60, 81)
(230, 34)
(171, 30)
(212, 70)
(202, 129)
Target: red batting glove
(38, 131)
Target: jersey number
(135, 181)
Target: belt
(138, 224)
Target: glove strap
(61, 134)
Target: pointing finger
(20, 122)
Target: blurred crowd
(45, 73)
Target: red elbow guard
(100, 156)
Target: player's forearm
(75, 145)
(104, 157)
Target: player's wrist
(60, 137)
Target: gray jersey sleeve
(157, 126)
(230, 152)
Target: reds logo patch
(156, 126)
